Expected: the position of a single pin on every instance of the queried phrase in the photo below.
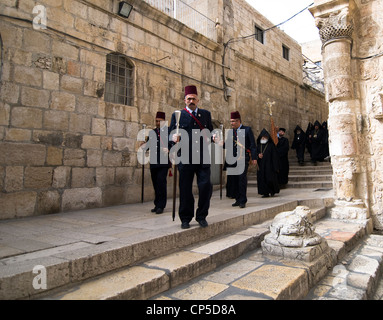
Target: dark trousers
(205, 188)
(231, 186)
(159, 176)
(240, 183)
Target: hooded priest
(268, 165)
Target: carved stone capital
(334, 19)
(337, 25)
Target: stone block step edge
(357, 274)
(173, 269)
(155, 276)
(75, 266)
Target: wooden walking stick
(143, 169)
(221, 166)
(177, 116)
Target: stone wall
(63, 148)
(369, 74)
(352, 36)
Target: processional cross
(273, 131)
(270, 104)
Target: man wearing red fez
(197, 124)
(245, 151)
(159, 162)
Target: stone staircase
(351, 271)
(308, 176)
(152, 277)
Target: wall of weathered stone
(62, 147)
(352, 36)
(369, 75)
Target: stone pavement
(75, 246)
(127, 252)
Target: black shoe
(154, 209)
(185, 225)
(242, 205)
(203, 223)
(235, 204)
(159, 211)
(265, 196)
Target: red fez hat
(235, 115)
(160, 115)
(190, 90)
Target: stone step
(301, 184)
(95, 253)
(299, 177)
(309, 171)
(356, 276)
(158, 275)
(311, 184)
(155, 276)
(257, 275)
(310, 164)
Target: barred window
(119, 79)
(286, 52)
(259, 34)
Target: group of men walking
(189, 136)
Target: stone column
(335, 21)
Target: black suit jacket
(158, 140)
(249, 148)
(191, 126)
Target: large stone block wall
(352, 37)
(368, 73)
(63, 148)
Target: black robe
(318, 138)
(284, 166)
(268, 166)
(326, 151)
(310, 127)
(299, 144)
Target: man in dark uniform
(159, 162)
(193, 121)
(245, 151)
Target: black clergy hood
(264, 133)
(298, 128)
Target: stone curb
(173, 269)
(73, 264)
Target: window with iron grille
(286, 52)
(259, 34)
(119, 79)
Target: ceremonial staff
(273, 130)
(221, 165)
(143, 168)
(177, 117)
